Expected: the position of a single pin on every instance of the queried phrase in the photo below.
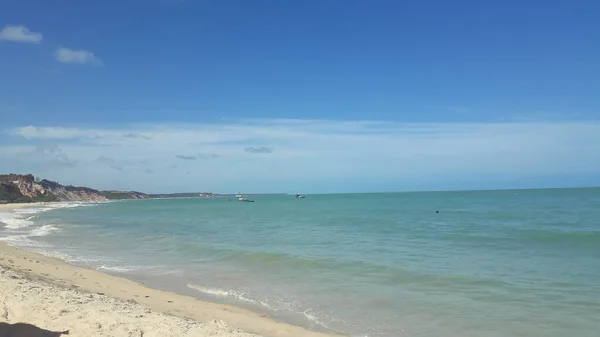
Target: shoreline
(39, 271)
(12, 206)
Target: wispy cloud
(184, 157)
(134, 135)
(73, 56)
(53, 155)
(317, 151)
(261, 149)
(109, 162)
(208, 155)
(105, 160)
(20, 34)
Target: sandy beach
(55, 296)
(8, 207)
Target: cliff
(25, 188)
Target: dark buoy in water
(437, 211)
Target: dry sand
(8, 207)
(57, 296)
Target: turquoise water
(490, 263)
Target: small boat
(298, 196)
(242, 199)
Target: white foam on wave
(148, 270)
(115, 268)
(226, 293)
(23, 217)
(19, 228)
(22, 236)
(314, 319)
(311, 317)
(56, 255)
(22, 241)
(44, 230)
(83, 260)
(14, 221)
(162, 271)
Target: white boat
(239, 197)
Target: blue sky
(307, 96)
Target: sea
(482, 263)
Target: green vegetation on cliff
(124, 195)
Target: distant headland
(25, 188)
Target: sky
(301, 96)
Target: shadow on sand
(27, 330)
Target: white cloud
(20, 34)
(66, 55)
(318, 152)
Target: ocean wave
(22, 217)
(148, 270)
(43, 231)
(20, 229)
(21, 236)
(115, 268)
(14, 221)
(241, 296)
(23, 241)
(55, 254)
(313, 318)
(19, 219)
